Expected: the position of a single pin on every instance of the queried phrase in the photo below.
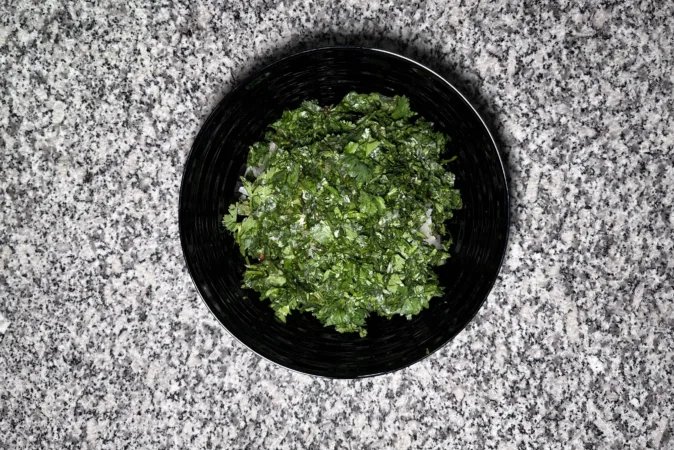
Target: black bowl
(218, 157)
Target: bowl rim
(241, 85)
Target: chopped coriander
(343, 209)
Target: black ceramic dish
(480, 229)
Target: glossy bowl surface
(218, 156)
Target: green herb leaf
(402, 110)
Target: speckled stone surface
(104, 343)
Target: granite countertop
(105, 344)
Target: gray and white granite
(106, 344)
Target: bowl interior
(219, 153)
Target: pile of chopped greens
(342, 210)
